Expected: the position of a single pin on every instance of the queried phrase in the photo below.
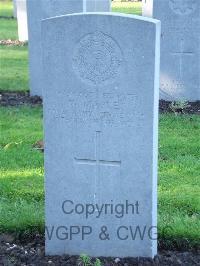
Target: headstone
(22, 20)
(14, 9)
(147, 8)
(97, 5)
(40, 9)
(100, 121)
(180, 53)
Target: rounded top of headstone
(97, 58)
(182, 7)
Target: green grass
(6, 8)
(22, 191)
(21, 180)
(8, 29)
(129, 8)
(13, 68)
(179, 176)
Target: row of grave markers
(99, 77)
(180, 53)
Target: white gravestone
(180, 53)
(22, 20)
(147, 8)
(101, 126)
(40, 9)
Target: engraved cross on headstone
(97, 161)
(180, 54)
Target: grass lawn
(22, 191)
(8, 29)
(6, 8)
(14, 68)
(179, 176)
(21, 167)
(129, 8)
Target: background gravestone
(22, 20)
(100, 120)
(40, 9)
(180, 53)
(97, 5)
(147, 8)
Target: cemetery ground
(22, 174)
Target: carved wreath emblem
(97, 58)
